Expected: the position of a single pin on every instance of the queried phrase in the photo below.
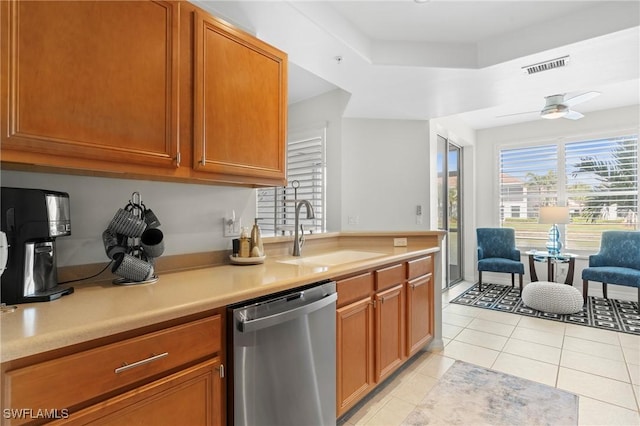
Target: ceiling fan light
(554, 111)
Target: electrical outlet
(353, 220)
(231, 227)
(418, 210)
(399, 242)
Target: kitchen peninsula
(185, 310)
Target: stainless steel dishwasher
(284, 359)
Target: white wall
(191, 215)
(594, 125)
(385, 174)
(326, 110)
(389, 167)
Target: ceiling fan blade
(573, 115)
(581, 98)
(518, 113)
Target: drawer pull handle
(152, 358)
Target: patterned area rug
(610, 314)
(472, 395)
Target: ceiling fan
(556, 106)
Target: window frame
(562, 195)
(286, 194)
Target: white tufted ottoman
(551, 297)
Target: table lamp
(554, 215)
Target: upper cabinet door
(240, 91)
(95, 80)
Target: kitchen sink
(332, 259)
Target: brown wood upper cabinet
(95, 81)
(140, 89)
(240, 102)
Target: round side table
(552, 260)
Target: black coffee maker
(32, 219)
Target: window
(596, 179)
(306, 167)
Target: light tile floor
(601, 366)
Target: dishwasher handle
(247, 326)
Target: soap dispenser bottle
(245, 244)
(257, 249)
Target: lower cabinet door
(390, 331)
(354, 325)
(419, 313)
(190, 397)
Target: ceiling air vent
(546, 65)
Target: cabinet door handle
(221, 371)
(152, 358)
(178, 158)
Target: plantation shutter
(528, 180)
(306, 168)
(596, 179)
(602, 188)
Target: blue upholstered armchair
(617, 262)
(497, 253)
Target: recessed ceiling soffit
(564, 30)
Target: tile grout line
(562, 349)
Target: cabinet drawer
(420, 267)
(65, 382)
(355, 288)
(188, 397)
(388, 277)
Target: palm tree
(545, 185)
(616, 176)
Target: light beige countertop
(102, 309)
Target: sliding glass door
(449, 163)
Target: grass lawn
(581, 235)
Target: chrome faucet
(298, 240)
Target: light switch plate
(399, 242)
